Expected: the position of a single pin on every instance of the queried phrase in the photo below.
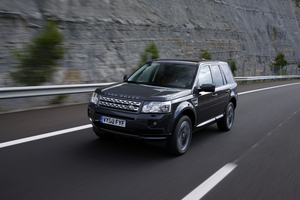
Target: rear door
(221, 93)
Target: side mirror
(207, 88)
(125, 77)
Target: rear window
(228, 73)
(217, 76)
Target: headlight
(94, 98)
(156, 107)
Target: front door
(206, 100)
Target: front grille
(122, 104)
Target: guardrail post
(280, 72)
(243, 82)
(255, 70)
(264, 73)
(273, 71)
(285, 73)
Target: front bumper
(138, 125)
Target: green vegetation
(232, 65)
(58, 99)
(150, 49)
(205, 55)
(298, 65)
(37, 61)
(279, 61)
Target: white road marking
(210, 183)
(268, 88)
(46, 135)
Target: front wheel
(226, 122)
(181, 138)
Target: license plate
(113, 121)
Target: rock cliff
(104, 38)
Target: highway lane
(269, 170)
(37, 121)
(79, 166)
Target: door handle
(228, 90)
(214, 95)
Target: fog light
(154, 123)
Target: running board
(210, 120)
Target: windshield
(165, 74)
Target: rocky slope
(104, 38)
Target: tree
(232, 65)
(150, 49)
(279, 61)
(37, 61)
(205, 55)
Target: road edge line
(42, 136)
(210, 183)
(267, 88)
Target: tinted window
(143, 74)
(218, 80)
(165, 74)
(228, 73)
(205, 76)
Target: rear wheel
(226, 122)
(181, 138)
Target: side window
(218, 79)
(228, 73)
(223, 76)
(205, 76)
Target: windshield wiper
(133, 82)
(155, 84)
(145, 83)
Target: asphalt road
(263, 143)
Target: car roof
(187, 60)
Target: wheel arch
(188, 109)
(233, 100)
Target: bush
(205, 55)
(37, 61)
(279, 61)
(58, 99)
(150, 49)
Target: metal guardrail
(256, 78)
(33, 91)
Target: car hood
(143, 92)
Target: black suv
(164, 101)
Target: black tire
(226, 122)
(180, 139)
(104, 135)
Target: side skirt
(210, 121)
